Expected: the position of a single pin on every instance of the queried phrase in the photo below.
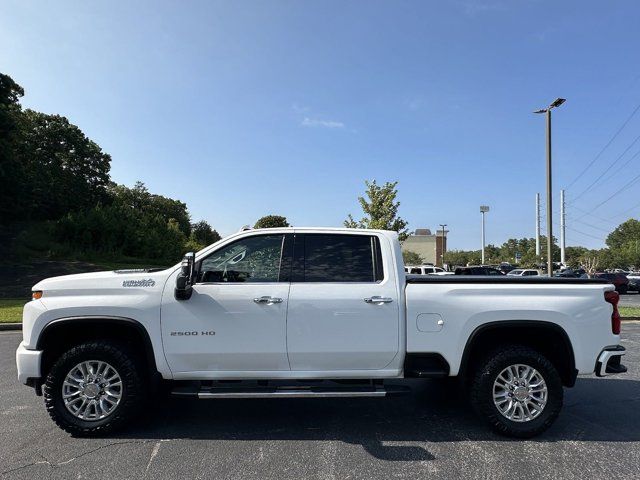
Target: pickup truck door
(235, 319)
(343, 303)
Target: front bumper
(28, 362)
(609, 361)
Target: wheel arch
(60, 334)
(548, 338)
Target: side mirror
(186, 277)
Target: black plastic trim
(505, 279)
(573, 372)
(286, 259)
(91, 320)
(425, 365)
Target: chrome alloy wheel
(520, 393)
(92, 390)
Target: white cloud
(315, 122)
(299, 108)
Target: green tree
(139, 198)
(575, 255)
(272, 221)
(202, 233)
(12, 171)
(65, 171)
(411, 258)
(380, 209)
(624, 234)
(463, 258)
(131, 223)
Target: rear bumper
(28, 363)
(608, 362)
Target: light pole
(556, 103)
(443, 242)
(483, 209)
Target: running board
(291, 392)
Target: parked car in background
(423, 270)
(477, 270)
(634, 282)
(505, 268)
(619, 280)
(571, 273)
(523, 272)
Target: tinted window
(252, 259)
(416, 271)
(341, 258)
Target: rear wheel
(518, 391)
(94, 388)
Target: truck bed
(504, 279)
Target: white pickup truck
(310, 312)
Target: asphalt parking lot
(428, 434)
(630, 299)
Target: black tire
(623, 289)
(481, 391)
(127, 365)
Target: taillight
(612, 298)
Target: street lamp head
(557, 102)
(542, 110)
(484, 208)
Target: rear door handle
(378, 299)
(267, 299)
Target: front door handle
(377, 299)
(267, 299)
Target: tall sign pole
(555, 104)
(483, 209)
(443, 243)
(549, 199)
(563, 225)
(537, 225)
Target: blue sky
(243, 109)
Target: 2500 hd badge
(194, 333)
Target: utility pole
(483, 209)
(537, 225)
(443, 242)
(556, 103)
(562, 227)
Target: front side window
(341, 258)
(416, 271)
(250, 260)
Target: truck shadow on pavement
(595, 410)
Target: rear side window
(415, 271)
(339, 258)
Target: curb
(10, 326)
(629, 318)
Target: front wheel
(518, 391)
(94, 388)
